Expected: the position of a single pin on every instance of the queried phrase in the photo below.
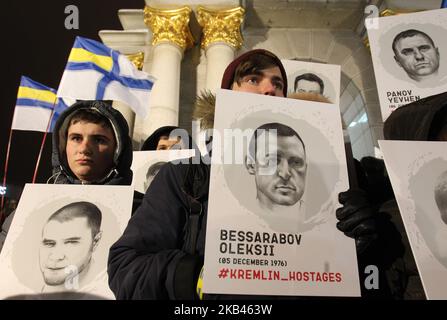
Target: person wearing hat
(160, 254)
(150, 260)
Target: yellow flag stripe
(36, 94)
(82, 55)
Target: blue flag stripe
(125, 81)
(444, 4)
(34, 103)
(92, 46)
(27, 82)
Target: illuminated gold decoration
(221, 26)
(387, 13)
(395, 12)
(137, 59)
(169, 26)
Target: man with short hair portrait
(277, 160)
(309, 82)
(417, 54)
(69, 238)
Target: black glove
(357, 218)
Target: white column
(221, 38)
(218, 57)
(166, 65)
(171, 36)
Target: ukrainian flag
(34, 106)
(97, 72)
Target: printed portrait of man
(309, 82)
(440, 193)
(152, 172)
(277, 160)
(69, 238)
(417, 54)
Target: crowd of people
(160, 255)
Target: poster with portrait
(146, 164)
(418, 174)
(314, 77)
(277, 167)
(59, 241)
(409, 57)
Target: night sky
(36, 44)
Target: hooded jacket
(152, 141)
(120, 174)
(156, 258)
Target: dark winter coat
(418, 121)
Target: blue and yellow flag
(34, 106)
(97, 72)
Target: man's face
(164, 143)
(284, 185)
(90, 149)
(268, 82)
(65, 246)
(417, 56)
(308, 86)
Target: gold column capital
(221, 26)
(169, 26)
(137, 59)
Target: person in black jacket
(160, 254)
(91, 145)
(423, 120)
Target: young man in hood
(160, 254)
(91, 145)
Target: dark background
(36, 44)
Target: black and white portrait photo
(407, 52)
(59, 240)
(276, 159)
(146, 164)
(69, 238)
(440, 193)
(308, 82)
(417, 54)
(277, 167)
(418, 173)
(314, 78)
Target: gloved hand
(357, 218)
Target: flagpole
(43, 143)
(5, 173)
